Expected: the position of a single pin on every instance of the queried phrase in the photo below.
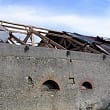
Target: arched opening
(50, 85)
(87, 85)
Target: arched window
(86, 85)
(50, 85)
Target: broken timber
(54, 39)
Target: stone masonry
(52, 79)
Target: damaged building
(43, 69)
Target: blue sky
(90, 17)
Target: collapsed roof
(30, 35)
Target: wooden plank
(11, 41)
(18, 40)
(27, 37)
(47, 40)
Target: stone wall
(49, 79)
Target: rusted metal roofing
(97, 42)
(20, 34)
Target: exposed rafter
(20, 34)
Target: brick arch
(86, 84)
(50, 77)
(50, 85)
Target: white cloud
(44, 17)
